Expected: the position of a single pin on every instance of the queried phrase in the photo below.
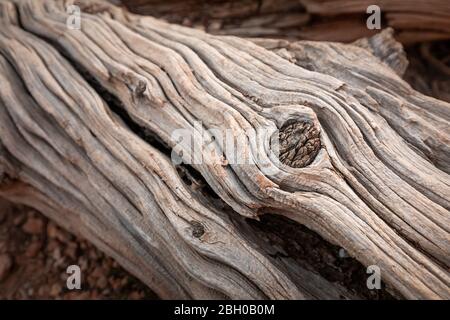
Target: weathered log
(415, 24)
(418, 126)
(332, 20)
(87, 123)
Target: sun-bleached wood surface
(87, 122)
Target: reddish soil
(35, 254)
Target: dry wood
(332, 20)
(419, 126)
(414, 22)
(364, 157)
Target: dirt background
(35, 254)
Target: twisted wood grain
(374, 186)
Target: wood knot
(299, 143)
(197, 229)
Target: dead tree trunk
(87, 123)
(331, 20)
(416, 22)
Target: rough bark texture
(86, 130)
(422, 25)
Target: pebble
(55, 290)
(71, 250)
(6, 264)
(54, 232)
(97, 273)
(33, 226)
(135, 295)
(33, 249)
(18, 220)
(343, 253)
(102, 282)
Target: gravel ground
(35, 254)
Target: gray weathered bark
(86, 129)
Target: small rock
(83, 263)
(93, 254)
(56, 254)
(135, 295)
(82, 295)
(343, 253)
(53, 232)
(52, 245)
(102, 282)
(124, 281)
(33, 249)
(115, 283)
(55, 290)
(73, 295)
(83, 245)
(42, 291)
(6, 264)
(98, 272)
(33, 226)
(17, 221)
(95, 295)
(71, 250)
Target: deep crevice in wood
(308, 249)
